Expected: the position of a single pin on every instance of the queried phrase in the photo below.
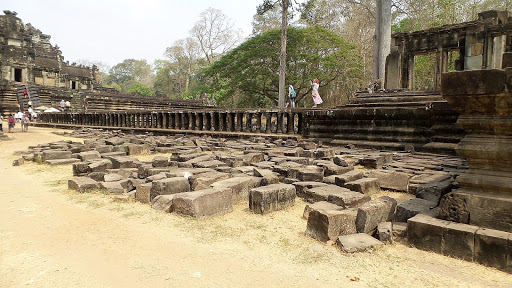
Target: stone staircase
(399, 120)
(8, 99)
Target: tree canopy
(313, 52)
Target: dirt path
(52, 237)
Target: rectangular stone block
(385, 232)
(426, 233)
(459, 240)
(364, 185)
(328, 224)
(270, 198)
(143, 192)
(340, 180)
(203, 203)
(89, 155)
(56, 162)
(82, 184)
(491, 248)
(100, 165)
(371, 213)
(301, 187)
(357, 242)
(163, 203)
(240, 186)
(310, 173)
(169, 186)
(391, 180)
(322, 205)
(413, 207)
(56, 154)
(348, 199)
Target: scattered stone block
(204, 180)
(459, 240)
(18, 162)
(322, 193)
(112, 187)
(391, 180)
(89, 155)
(114, 141)
(399, 230)
(160, 161)
(310, 173)
(169, 186)
(322, 205)
(123, 162)
(340, 161)
(385, 232)
(240, 186)
(491, 248)
(357, 243)
(348, 199)
(301, 187)
(143, 192)
(61, 161)
(270, 198)
(431, 186)
(56, 154)
(340, 180)
(413, 207)
(82, 184)
(100, 165)
(373, 162)
(163, 203)
(328, 224)
(364, 185)
(136, 149)
(426, 233)
(110, 177)
(203, 203)
(371, 213)
(97, 176)
(331, 179)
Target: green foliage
(129, 72)
(141, 89)
(249, 73)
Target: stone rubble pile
(205, 176)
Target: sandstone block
(459, 240)
(321, 193)
(100, 165)
(164, 203)
(426, 233)
(56, 154)
(348, 199)
(111, 177)
(89, 155)
(114, 141)
(270, 198)
(385, 232)
(491, 248)
(143, 192)
(364, 185)
(322, 205)
(240, 186)
(56, 162)
(373, 162)
(112, 187)
(348, 177)
(82, 184)
(169, 186)
(391, 180)
(413, 207)
(310, 173)
(327, 224)
(18, 162)
(301, 187)
(357, 242)
(203, 203)
(160, 161)
(431, 186)
(371, 213)
(123, 162)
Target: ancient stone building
(478, 44)
(27, 56)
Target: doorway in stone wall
(17, 75)
(73, 85)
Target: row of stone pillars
(257, 121)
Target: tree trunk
(282, 62)
(382, 38)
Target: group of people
(65, 105)
(317, 100)
(19, 117)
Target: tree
(130, 71)
(269, 20)
(215, 33)
(314, 52)
(141, 89)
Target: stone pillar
(290, 123)
(279, 123)
(177, 122)
(268, 122)
(207, 121)
(200, 121)
(248, 122)
(239, 121)
(300, 123)
(484, 100)
(258, 122)
(215, 121)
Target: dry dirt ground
(53, 237)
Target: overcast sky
(113, 30)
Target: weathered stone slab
(413, 207)
(348, 177)
(123, 162)
(56, 154)
(204, 180)
(209, 164)
(100, 165)
(160, 161)
(459, 240)
(270, 198)
(322, 205)
(373, 162)
(203, 203)
(357, 243)
(348, 199)
(328, 224)
(240, 186)
(268, 176)
(321, 193)
(364, 185)
(169, 186)
(310, 173)
(391, 180)
(82, 184)
(431, 186)
(385, 232)
(136, 149)
(89, 155)
(371, 213)
(426, 233)
(61, 161)
(301, 187)
(114, 141)
(163, 203)
(18, 162)
(111, 177)
(491, 248)
(112, 187)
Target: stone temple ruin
(340, 160)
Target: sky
(111, 31)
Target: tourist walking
(24, 123)
(11, 122)
(291, 97)
(67, 105)
(62, 104)
(316, 97)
